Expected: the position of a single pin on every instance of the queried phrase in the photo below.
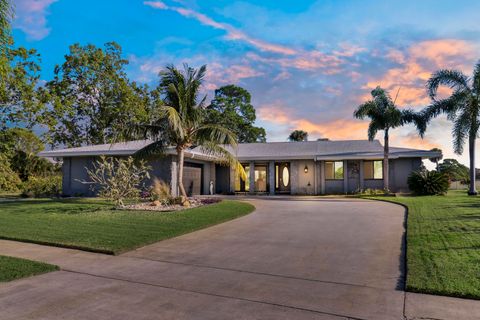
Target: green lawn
(443, 244)
(15, 268)
(92, 224)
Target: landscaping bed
(94, 225)
(168, 207)
(15, 268)
(443, 244)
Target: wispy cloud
(31, 17)
(232, 33)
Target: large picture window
(334, 170)
(373, 169)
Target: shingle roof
(319, 150)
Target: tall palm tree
(182, 123)
(384, 115)
(462, 108)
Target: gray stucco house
(308, 168)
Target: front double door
(282, 177)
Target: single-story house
(309, 168)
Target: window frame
(373, 170)
(334, 170)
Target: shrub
(428, 182)
(42, 187)
(118, 179)
(9, 180)
(160, 191)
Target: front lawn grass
(443, 244)
(15, 268)
(93, 225)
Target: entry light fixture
(306, 169)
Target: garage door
(192, 179)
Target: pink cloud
(418, 63)
(232, 32)
(31, 17)
(335, 129)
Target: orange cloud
(337, 129)
(417, 65)
(232, 32)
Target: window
(334, 170)
(260, 178)
(373, 169)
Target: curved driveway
(293, 258)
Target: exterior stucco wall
(164, 168)
(74, 171)
(334, 186)
(305, 181)
(373, 184)
(400, 169)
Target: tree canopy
(231, 107)
(455, 170)
(92, 98)
(298, 135)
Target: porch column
(322, 177)
(271, 177)
(361, 175)
(345, 176)
(252, 177)
(173, 178)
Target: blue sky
(308, 64)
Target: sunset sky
(308, 64)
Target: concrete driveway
(293, 258)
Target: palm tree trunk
(181, 156)
(471, 144)
(386, 148)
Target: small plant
(160, 191)
(428, 182)
(372, 192)
(42, 187)
(118, 179)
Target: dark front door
(282, 177)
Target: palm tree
(298, 135)
(462, 108)
(384, 115)
(181, 122)
(436, 159)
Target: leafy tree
(232, 108)
(384, 115)
(455, 170)
(182, 123)
(21, 146)
(19, 78)
(6, 15)
(19, 139)
(298, 135)
(9, 180)
(118, 179)
(462, 108)
(92, 99)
